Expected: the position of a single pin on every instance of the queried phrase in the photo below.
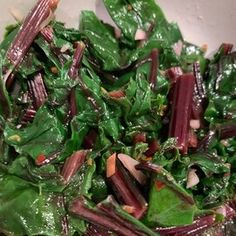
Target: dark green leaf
(44, 136)
(25, 210)
(97, 33)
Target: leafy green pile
(73, 100)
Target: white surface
(202, 22)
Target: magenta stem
(181, 111)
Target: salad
(126, 130)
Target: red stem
(201, 91)
(72, 102)
(73, 164)
(139, 138)
(181, 111)
(93, 230)
(47, 33)
(90, 139)
(227, 131)
(77, 58)
(125, 189)
(110, 209)
(173, 74)
(153, 147)
(227, 48)
(37, 90)
(10, 81)
(29, 30)
(28, 115)
(199, 94)
(98, 218)
(73, 74)
(204, 144)
(154, 67)
(197, 227)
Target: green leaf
(221, 89)
(97, 33)
(132, 15)
(209, 164)
(47, 176)
(8, 39)
(47, 49)
(227, 85)
(191, 54)
(220, 109)
(44, 136)
(167, 208)
(79, 127)
(5, 152)
(68, 34)
(81, 183)
(5, 102)
(99, 189)
(166, 156)
(221, 75)
(111, 127)
(214, 194)
(142, 99)
(59, 86)
(30, 65)
(163, 37)
(24, 210)
(169, 203)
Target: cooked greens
(125, 130)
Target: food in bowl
(126, 130)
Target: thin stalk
(181, 111)
(29, 30)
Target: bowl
(202, 22)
